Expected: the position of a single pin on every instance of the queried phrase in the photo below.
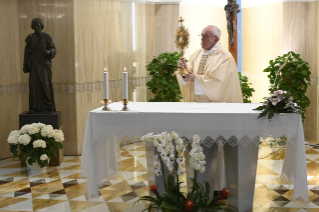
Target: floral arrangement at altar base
(171, 148)
(36, 141)
(279, 102)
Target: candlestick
(106, 84)
(125, 84)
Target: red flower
(153, 188)
(189, 204)
(225, 193)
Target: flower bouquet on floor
(37, 141)
(171, 148)
(279, 102)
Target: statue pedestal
(53, 119)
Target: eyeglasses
(206, 36)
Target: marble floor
(63, 188)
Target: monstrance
(181, 41)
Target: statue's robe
(39, 65)
(219, 80)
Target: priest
(212, 72)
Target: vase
(35, 167)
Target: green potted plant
(290, 73)
(36, 143)
(246, 90)
(163, 84)
(171, 148)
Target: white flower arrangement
(171, 148)
(278, 102)
(36, 141)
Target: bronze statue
(38, 53)
(231, 13)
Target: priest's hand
(182, 63)
(190, 77)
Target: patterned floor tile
(63, 188)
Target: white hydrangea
(24, 139)
(24, 129)
(47, 131)
(39, 143)
(33, 129)
(44, 157)
(58, 136)
(13, 137)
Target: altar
(233, 125)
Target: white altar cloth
(235, 123)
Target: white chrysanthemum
(24, 129)
(44, 157)
(39, 143)
(47, 130)
(24, 139)
(33, 129)
(174, 135)
(180, 172)
(58, 136)
(158, 172)
(13, 137)
(157, 164)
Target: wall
(11, 86)
(262, 41)
(301, 36)
(197, 18)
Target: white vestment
(219, 81)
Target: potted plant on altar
(163, 84)
(246, 90)
(172, 148)
(36, 143)
(290, 73)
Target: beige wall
(301, 36)
(262, 41)
(197, 18)
(11, 88)
(89, 35)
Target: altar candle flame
(105, 69)
(125, 69)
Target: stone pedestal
(53, 119)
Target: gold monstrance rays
(181, 41)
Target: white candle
(125, 84)
(106, 84)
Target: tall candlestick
(106, 84)
(125, 84)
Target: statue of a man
(38, 53)
(231, 9)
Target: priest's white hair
(215, 30)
